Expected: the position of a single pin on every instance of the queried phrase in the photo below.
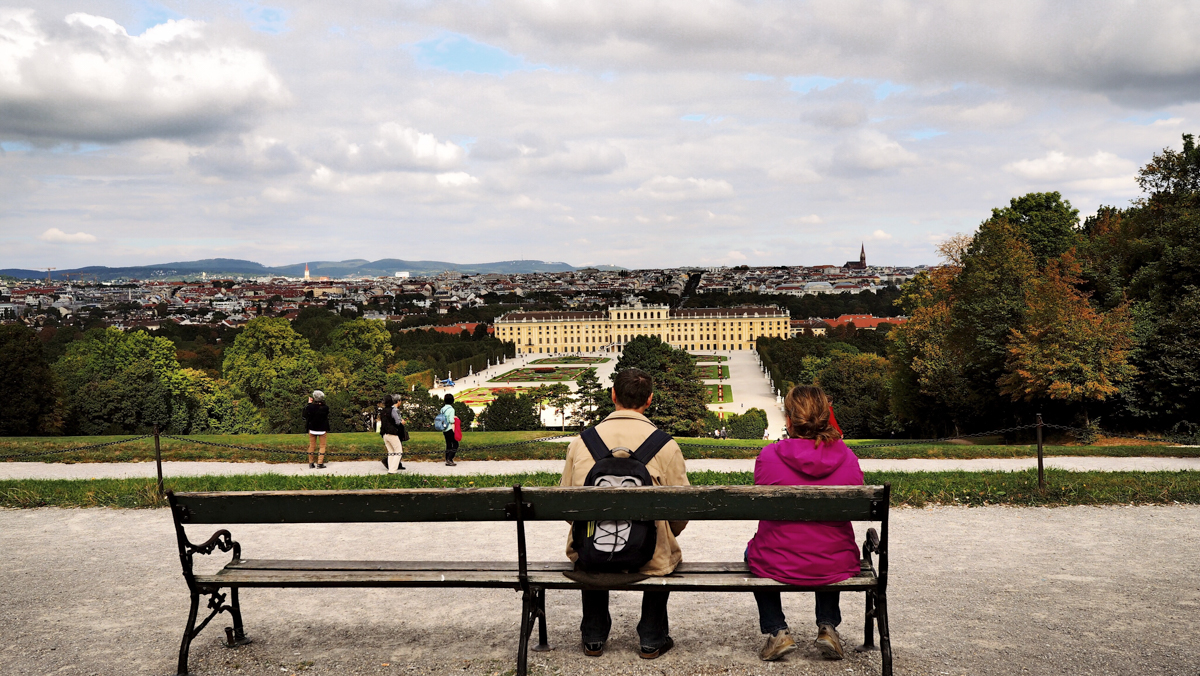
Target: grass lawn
(368, 446)
(709, 372)
(908, 489)
(530, 375)
(482, 396)
(701, 358)
(725, 390)
(570, 360)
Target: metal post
(158, 460)
(1041, 473)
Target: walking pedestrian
(447, 413)
(316, 421)
(391, 428)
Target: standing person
(391, 428)
(804, 553)
(627, 428)
(447, 414)
(316, 420)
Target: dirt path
(118, 470)
(994, 590)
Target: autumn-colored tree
(1066, 350)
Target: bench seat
(689, 576)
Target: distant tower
(306, 268)
(862, 257)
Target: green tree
(317, 324)
(592, 401)
(680, 399)
(1048, 224)
(857, 384)
(29, 386)
(365, 342)
(269, 357)
(749, 425)
(508, 412)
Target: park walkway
(125, 470)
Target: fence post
(158, 460)
(1041, 474)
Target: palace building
(732, 328)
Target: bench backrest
(677, 503)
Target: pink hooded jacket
(805, 553)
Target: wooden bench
(518, 504)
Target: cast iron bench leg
(188, 634)
(869, 624)
(542, 645)
(885, 635)
(236, 635)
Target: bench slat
(705, 503)
(383, 505)
(687, 567)
(782, 503)
(500, 580)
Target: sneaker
(778, 644)
(311, 466)
(593, 649)
(829, 643)
(401, 466)
(320, 465)
(648, 653)
(451, 463)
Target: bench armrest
(222, 540)
(870, 544)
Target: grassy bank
(913, 489)
(482, 446)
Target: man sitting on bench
(633, 440)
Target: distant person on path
(451, 444)
(391, 428)
(804, 553)
(623, 431)
(316, 421)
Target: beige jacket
(628, 429)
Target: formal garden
(539, 374)
(712, 372)
(482, 396)
(702, 358)
(719, 394)
(570, 360)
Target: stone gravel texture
(994, 590)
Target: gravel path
(122, 470)
(995, 590)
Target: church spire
(306, 272)
(862, 256)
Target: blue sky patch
(924, 134)
(1148, 118)
(15, 146)
(458, 53)
(147, 15)
(882, 89)
(694, 118)
(264, 19)
(808, 83)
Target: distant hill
(232, 267)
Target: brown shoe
(654, 653)
(778, 644)
(593, 649)
(829, 643)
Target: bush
(509, 412)
(749, 425)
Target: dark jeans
(770, 610)
(451, 444)
(653, 628)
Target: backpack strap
(651, 446)
(595, 445)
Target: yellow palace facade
(729, 329)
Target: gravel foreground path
(993, 590)
(130, 470)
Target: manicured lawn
(701, 358)
(475, 446)
(570, 360)
(531, 375)
(917, 489)
(725, 390)
(709, 372)
(482, 396)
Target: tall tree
(267, 351)
(1047, 223)
(680, 399)
(29, 386)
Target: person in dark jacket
(316, 420)
(391, 428)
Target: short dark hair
(633, 387)
(449, 398)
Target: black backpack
(617, 546)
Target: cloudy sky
(641, 133)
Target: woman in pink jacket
(804, 553)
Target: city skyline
(640, 135)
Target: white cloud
(87, 79)
(811, 219)
(59, 237)
(456, 179)
(670, 188)
(880, 235)
(1057, 166)
(736, 255)
(872, 151)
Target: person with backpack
(391, 428)
(444, 423)
(626, 449)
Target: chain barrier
(72, 450)
(335, 454)
(1182, 441)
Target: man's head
(633, 389)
